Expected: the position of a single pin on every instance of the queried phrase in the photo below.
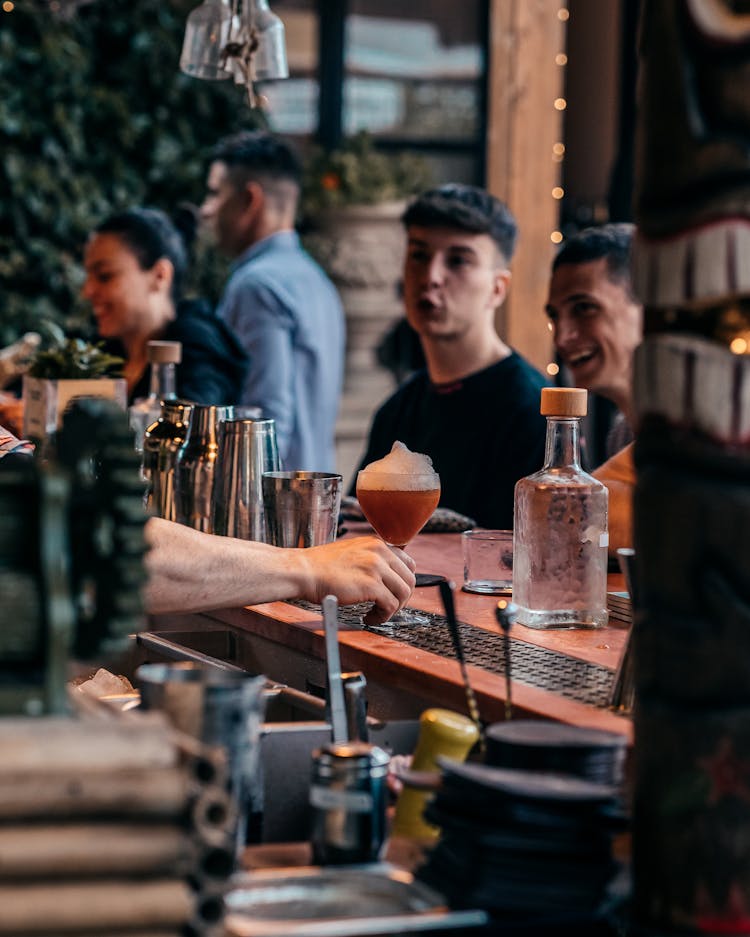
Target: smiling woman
(135, 267)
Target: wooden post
(522, 126)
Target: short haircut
(149, 235)
(467, 208)
(259, 154)
(609, 241)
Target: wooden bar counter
(285, 642)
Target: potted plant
(70, 368)
(353, 198)
(356, 174)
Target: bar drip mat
(535, 666)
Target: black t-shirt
(482, 433)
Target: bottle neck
(563, 449)
(162, 384)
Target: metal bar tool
(333, 663)
(446, 594)
(506, 614)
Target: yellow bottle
(441, 733)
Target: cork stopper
(564, 401)
(164, 352)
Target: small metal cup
(301, 508)
(247, 449)
(348, 796)
(222, 708)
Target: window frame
(332, 15)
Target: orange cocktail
(398, 505)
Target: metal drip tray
(535, 666)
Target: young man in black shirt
(474, 408)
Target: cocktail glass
(398, 505)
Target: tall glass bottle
(560, 528)
(162, 356)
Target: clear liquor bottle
(162, 356)
(560, 534)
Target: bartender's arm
(189, 571)
(618, 474)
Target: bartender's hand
(363, 569)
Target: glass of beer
(398, 505)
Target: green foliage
(75, 359)
(358, 174)
(95, 116)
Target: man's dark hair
(149, 235)
(611, 241)
(260, 154)
(467, 208)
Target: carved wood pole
(692, 503)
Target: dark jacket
(213, 364)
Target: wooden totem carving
(692, 504)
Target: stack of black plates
(525, 745)
(534, 848)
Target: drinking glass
(398, 505)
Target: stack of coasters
(620, 607)
(528, 745)
(529, 839)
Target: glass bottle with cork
(162, 356)
(560, 527)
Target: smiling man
(596, 321)
(474, 409)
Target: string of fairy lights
(62, 9)
(558, 148)
(558, 155)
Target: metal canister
(301, 508)
(247, 449)
(161, 443)
(195, 466)
(348, 796)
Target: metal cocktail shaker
(195, 465)
(247, 449)
(161, 443)
(302, 508)
(348, 796)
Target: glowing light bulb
(558, 192)
(563, 15)
(738, 346)
(556, 237)
(560, 104)
(8, 6)
(561, 59)
(552, 369)
(558, 149)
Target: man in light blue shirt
(284, 309)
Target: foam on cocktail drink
(401, 461)
(398, 493)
